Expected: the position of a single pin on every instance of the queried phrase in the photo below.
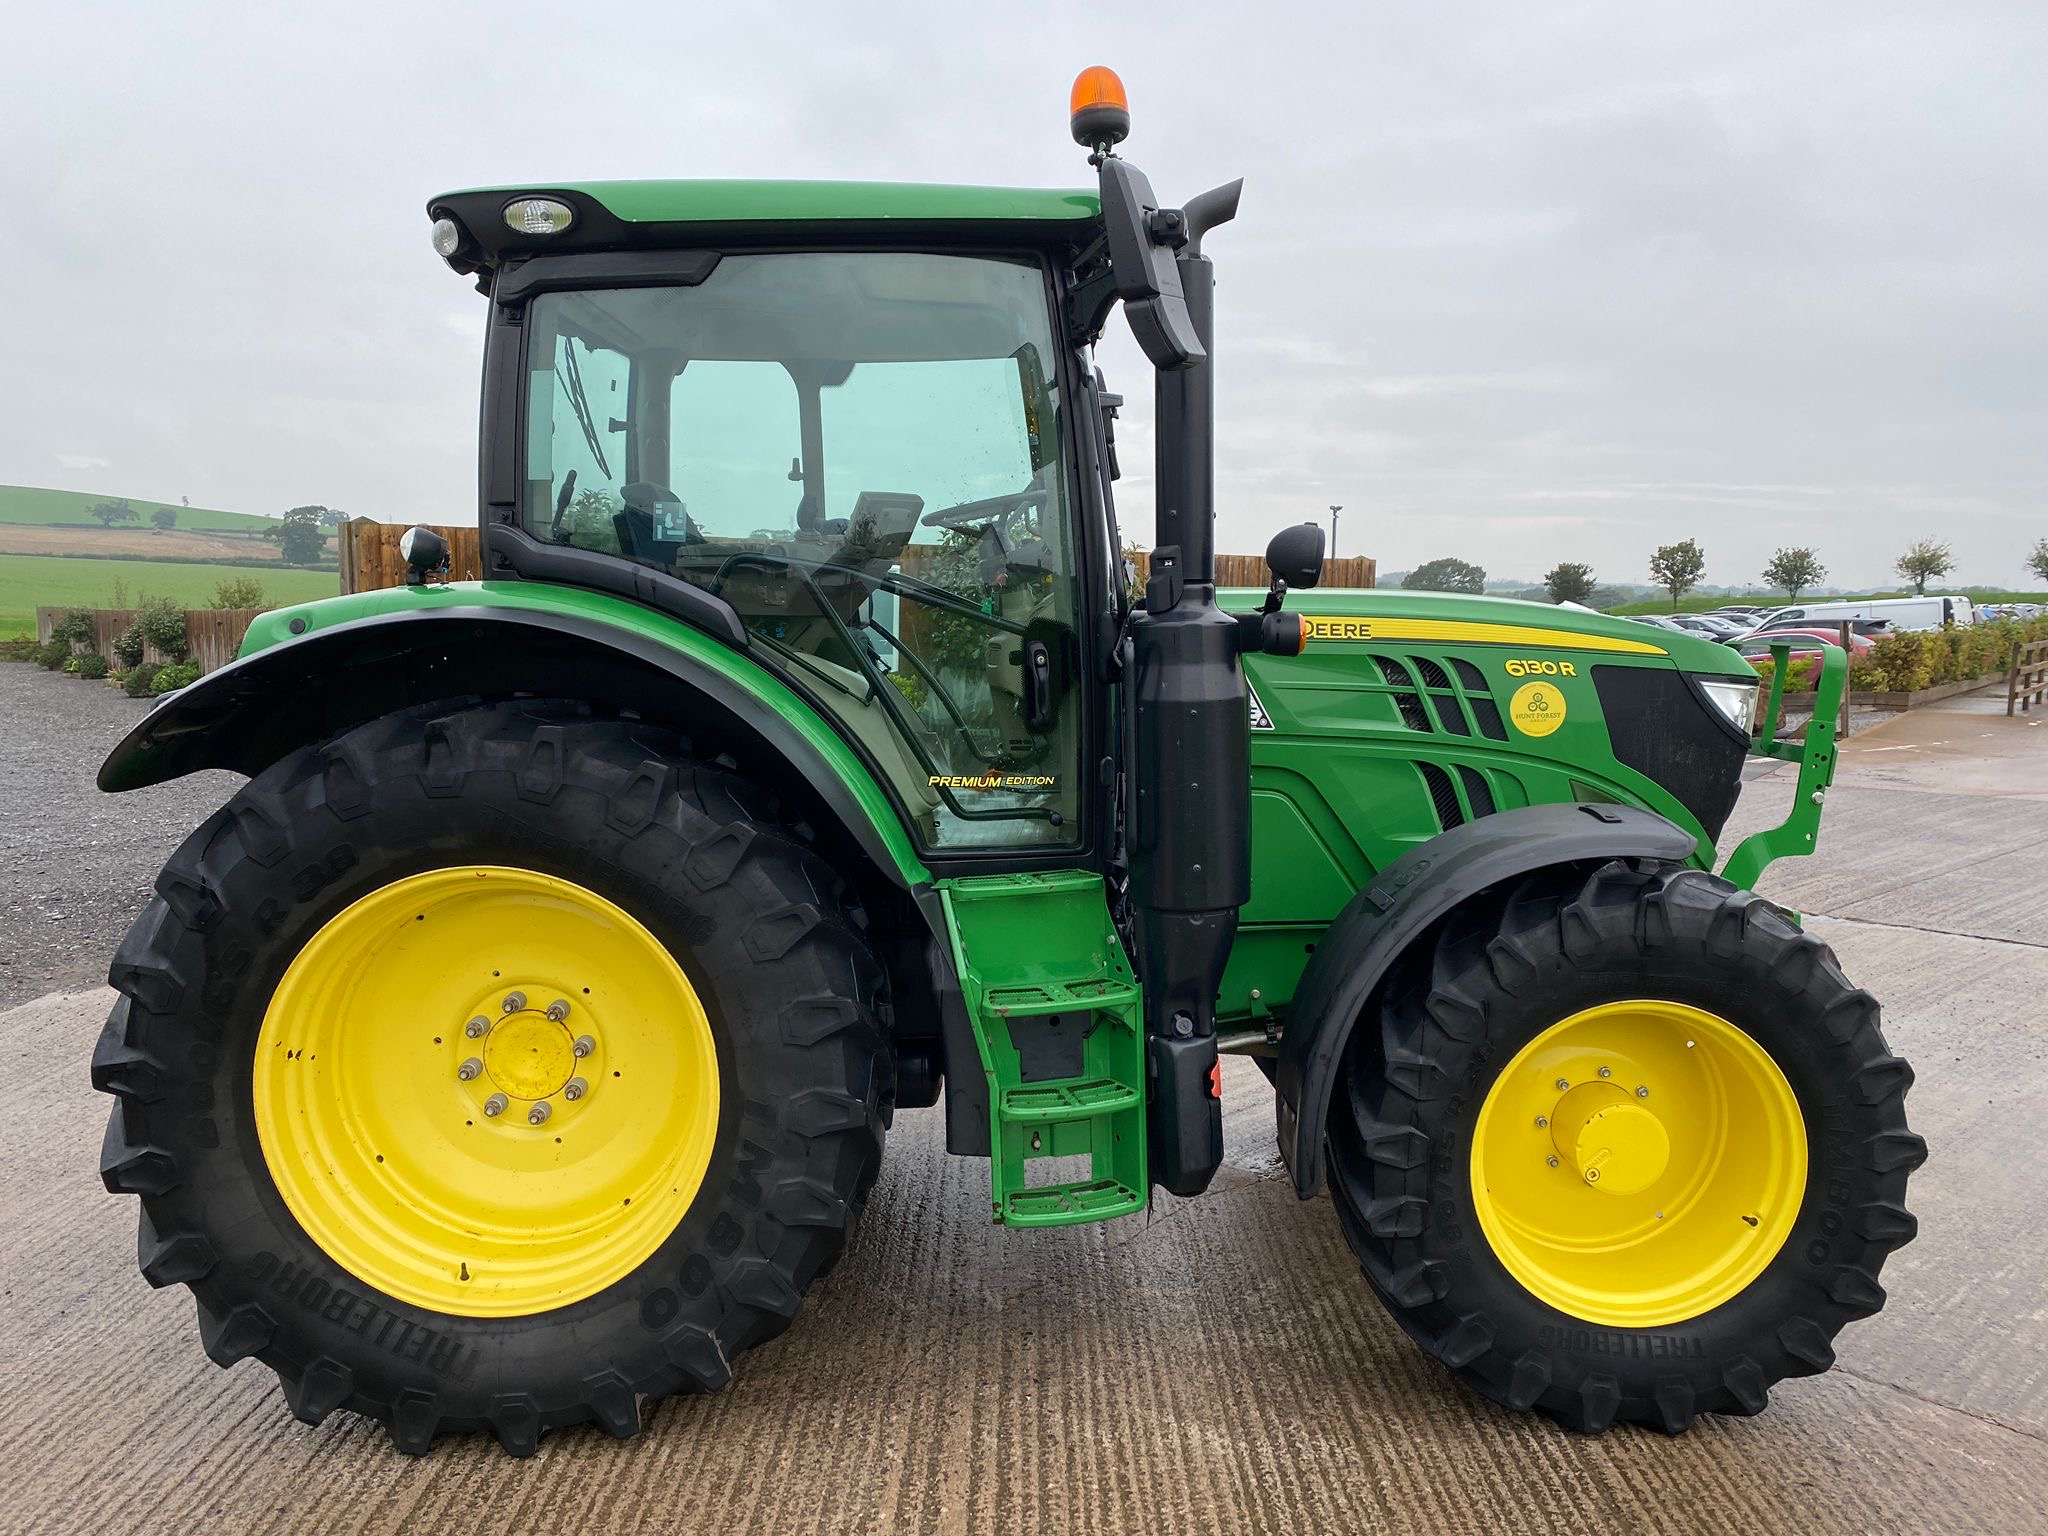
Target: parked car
(1717, 626)
(1759, 644)
(1903, 612)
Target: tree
(1445, 575)
(332, 517)
(164, 517)
(1569, 582)
(299, 537)
(239, 592)
(1794, 570)
(1927, 559)
(184, 501)
(112, 512)
(1677, 568)
(2037, 562)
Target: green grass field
(27, 581)
(27, 504)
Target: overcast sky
(1511, 282)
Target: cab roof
(619, 215)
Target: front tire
(1677, 1037)
(428, 1221)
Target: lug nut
(538, 1115)
(574, 1089)
(558, 1010)
(495, 1105)
(470, 1070)
(584, 1046)
(1562, 1085)
(1550, 1161)
(477, 1027)
(1642, 1093)
(1542, 1121)
(1607, 1072)
(514, 1001)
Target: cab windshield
(860, 452)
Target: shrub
(912, 687)
(239, 592)
(73, 625)
(161, 624)
(53, 654)
(93, 666)
(139, 682)
(71, 665)
(21, 648)
(176, 675)
(128, 647)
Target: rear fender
(1408, 897)
(252, 712)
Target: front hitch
(1815, 755)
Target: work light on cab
(539, 216)
(1101, 112)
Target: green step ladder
(1058, 1018)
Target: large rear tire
(420, 1017)
(1623, 1145)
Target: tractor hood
(1343, 615)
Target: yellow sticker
(1537, 709)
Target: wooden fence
(213, 635)
(370, 559)
(2027, 683)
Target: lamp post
(1333, 531)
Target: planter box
(1922, 695)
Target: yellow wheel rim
(1639, 1163)
(486, 1091)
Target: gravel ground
(78, 863)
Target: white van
(1902, 612)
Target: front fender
(1408, 896)
(355, 659)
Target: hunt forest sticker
(1537, 709)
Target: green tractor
(518, 1045)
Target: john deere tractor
(519, 1044)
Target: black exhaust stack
(1190, 833)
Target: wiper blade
(578, 403)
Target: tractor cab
(868, 448)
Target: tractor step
(1066, 1205)
(1058, 1021)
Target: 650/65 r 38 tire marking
(604, 839)
(1527, 1281)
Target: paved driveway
(1218, 1365)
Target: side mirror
(1141, 259)
(1295, 555)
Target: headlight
(1735, 699)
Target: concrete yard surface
(1216, 1365)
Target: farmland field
(27, 581)
(30, 504)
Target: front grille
(1660, 726)
(1487, 713)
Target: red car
(1759, 644)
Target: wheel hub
(529, 1055)
(1610, 1139)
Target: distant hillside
(28, 504)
